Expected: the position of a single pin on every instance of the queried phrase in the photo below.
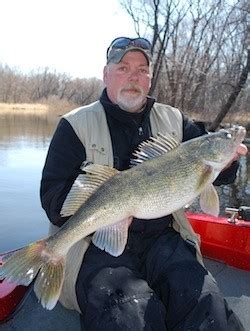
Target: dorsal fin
(154, 147)
(85, 185)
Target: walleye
(103, 201)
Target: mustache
(132, 86)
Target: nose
(134, 76)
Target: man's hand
(241, 151)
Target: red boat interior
(223, 241)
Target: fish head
(219, 148)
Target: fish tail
(36, 261)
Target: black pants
(156, 284)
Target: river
(24, 141)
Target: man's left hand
(241, 151)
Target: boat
(225, 245)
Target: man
(157, 283)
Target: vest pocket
(95, 152)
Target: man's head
(120, 46)
(127, 74)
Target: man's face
(128, 82)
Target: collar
(116, 112)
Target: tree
(43, 83)
(198, 49)
(242, 81)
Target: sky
(69, 36)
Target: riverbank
(54, 107)
(59, 107)
(23, 107)
(230, 118)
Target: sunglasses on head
(124, 42)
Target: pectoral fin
(113, 239)
(209, 201)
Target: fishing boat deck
(234, 284)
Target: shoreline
(62, 108)
(55, 108)
(23, 108)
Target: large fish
(167, 176)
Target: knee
(111, 286)
(119, 297)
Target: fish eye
(226, 134)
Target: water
(24, 141)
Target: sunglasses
(124, 43)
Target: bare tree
(7, 81)
(198, 49)
(43, 84)
(244, 73)
(84, 91)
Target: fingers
(242, 150)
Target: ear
(105, 74)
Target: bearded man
(159, 282)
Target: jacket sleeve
(192, 130)
(65, 156)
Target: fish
(165, 175)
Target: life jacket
(90, 125)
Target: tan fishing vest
(90, 125)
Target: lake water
(24, 141)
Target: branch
(233, 96)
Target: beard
(131, 98)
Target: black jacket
(66, 152)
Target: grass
(23, 108)
(60, 107)
(53, 107)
